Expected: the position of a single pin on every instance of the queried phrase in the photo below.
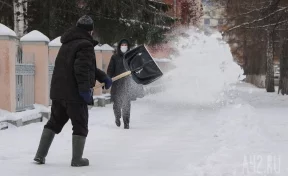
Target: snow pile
(205, 68)
(35, 36)
(24, 115)
(3, 114)
(56, 42)
(42, 108)
(5, 31)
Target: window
(207, 21)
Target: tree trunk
(283, 82)
(20, 20)
(270, 63)
(257, 80)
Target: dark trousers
(62, 111)
(122, 109)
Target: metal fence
(25, 74)
(51, 69)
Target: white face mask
(124, 49)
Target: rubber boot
(117, 114)
(126, 114)
(45, 143)
(126, 125)
(78, 144)
(126, 120)
(117, 122)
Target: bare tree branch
(257, 20)
(3, 2)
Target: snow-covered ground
(246, 137)
(204, 124)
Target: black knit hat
(85, 22)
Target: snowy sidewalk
(164, 140)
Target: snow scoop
(140, 65)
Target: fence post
(8, 51)
(99, 63)
(107, 52)
(54, 47)
(37, 43)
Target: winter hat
(123, 42)
(85, 22)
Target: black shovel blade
(144, 69)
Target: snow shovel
(139, 63)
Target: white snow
(5, 31)
(244, 132)
(35, 36)
(162, 60)
(56, 42)
(205, 68)
(97, 48)
(24, 115)
(106, 47)
(105, 96)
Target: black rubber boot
(78, 144)
(126, 114)
(118, 122)
(45, 143)
(126, 120)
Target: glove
(108, 83)
(87, 96)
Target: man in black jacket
(121, 90)
(73, 79)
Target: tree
(191, 12)
(139, 20)
(263, 18)
(7, 13)
(283, 88)
(20, 16)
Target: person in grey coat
(121, 94)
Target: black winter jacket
(75, 66)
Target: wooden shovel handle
(115, 79)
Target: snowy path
(165, 140)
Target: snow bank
(205, 68)
(3, 114)
(56, 42)
(24, 115)
(5, 31)
(35, 36)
